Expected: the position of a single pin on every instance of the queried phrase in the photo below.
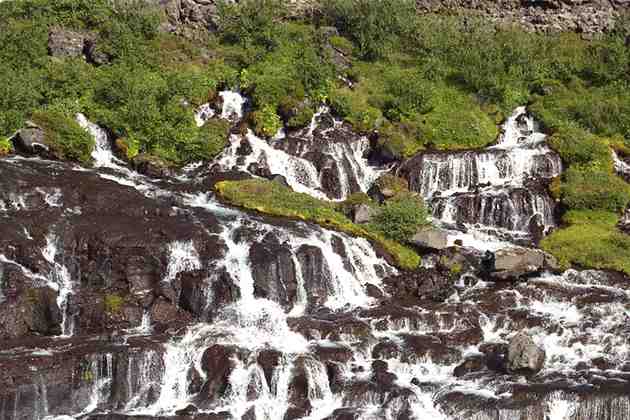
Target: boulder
(151, 166)
(511, 263)
(31, 140)
(431, 237)
(65, 43)
(363, 213)
(218, 362)
(273, 272)
(524, 356)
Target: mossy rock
(277, 200)
(65, 138)
(113, 304)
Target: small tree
(401, 217)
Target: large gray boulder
(431, 237)
(524, 356)
(511, 263)
(31, 139)
(64, 43)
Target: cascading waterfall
(353, 172)
(61, 281)
(327, 340)
(488, 190)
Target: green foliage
(347, 206)
(590, 239)
(113, 304)
(579, 147)
(63, 135)
(401, 217)
(392, 186)
(594, 189)
(341, 44)
(401, 140)
(251, 23)
(457, 122)
(266, 121)
(277, 200)
(6, 147)
(372, 25)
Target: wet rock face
(274, 272)
(524, 355)
(435, 284)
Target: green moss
(274, 199)
(347, 206)
(392, 185)
(577, 146)
(401, 140)
(590, 239)
(457, 122)
(6, 147)
(210, 140)
(594, 189)
(341, 44)
(64, 136)
(113, 304)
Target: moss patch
(64, 136)
(274, 199)
(6, 147)
(113, 304)
(590, 239)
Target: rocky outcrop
(583, 16)
(524, 355)
(431, 237)
(274, 272)
(512, 263)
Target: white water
(490, 184)
(299, 172)
(59, 279)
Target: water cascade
(232, 315)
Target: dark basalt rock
(299, 403)
(315, 274)
(435, 284)
(274, 272)
(217, 362)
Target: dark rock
(152, 166)
(435, 284)
(474, 363)
(65, 43)
(217, 362)
(274, 272)
(315, 273)
(524, 356)
(269, 359)
(31, 140)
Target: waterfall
(59, 279)
(489, 190)
(291, 157)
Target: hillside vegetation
(420, 81)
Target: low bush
(113, 304)
(6, 147)
(401, 217)
(594, 189)
(64, 136)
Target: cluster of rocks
(582, 16)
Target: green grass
(590, 239)
(274, 199)
(66, 139)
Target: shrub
(400, 218)
(579, 147)
(251, 22)
(456, 122)
(266, 121)
(372, 25)
(594, 189)
(6, 147)
(64, 136)
(113, 304)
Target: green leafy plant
(401, 217)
